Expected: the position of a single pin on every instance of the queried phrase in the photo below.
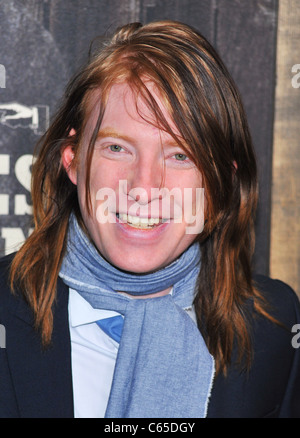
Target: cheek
(81, 186)
(104, 189)
(194, 205)
(102, 178)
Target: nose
(146, 175)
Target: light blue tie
(112, 326)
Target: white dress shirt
(93, 358)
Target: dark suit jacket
(38, 383)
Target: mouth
(140, 222)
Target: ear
(67, 157)
(234, 163)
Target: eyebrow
(108, 132)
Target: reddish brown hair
(206, 108)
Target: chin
(129, 264)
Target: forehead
(124, 106)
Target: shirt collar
(81, 312)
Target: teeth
(140, 222)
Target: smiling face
(137, 224)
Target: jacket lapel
(42, 379)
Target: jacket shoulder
(9, 301)
(5, 263)
(271, 388)
(283, 302)
(5, 292)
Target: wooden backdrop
(44, 41)
(285, 217)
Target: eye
(115, 148)
(180, 157)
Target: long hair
(206, 107)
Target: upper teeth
(140, 221)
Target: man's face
(137, 224)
